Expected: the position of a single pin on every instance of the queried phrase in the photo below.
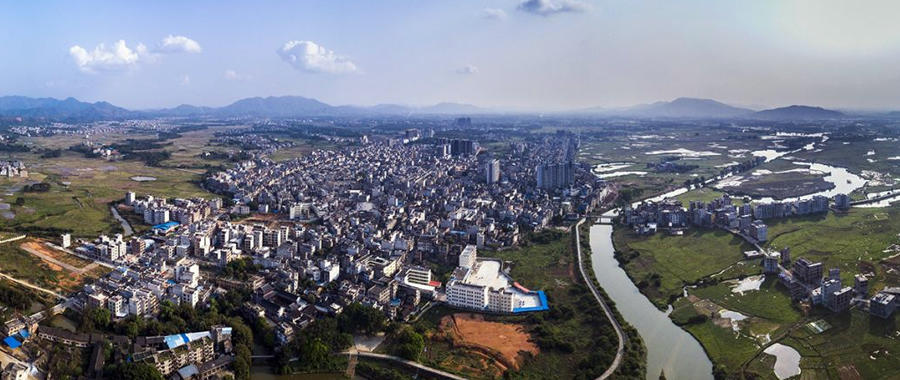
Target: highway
(620, 352)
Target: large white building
(467, 257)
(481, 285)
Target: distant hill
(680, 108)
(273, 106)
(797, 112)
(71, 109)
(55, 109)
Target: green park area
(735, 325)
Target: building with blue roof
(12, 342)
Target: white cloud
(121, 57)
(185, 80)
(179, 44)
(551, 7)
(117, 57)
(493, 14)
(231, 75)
(310, 57)
(467, 70)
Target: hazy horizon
(534, 55)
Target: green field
(855, 242)
(24, 266)
(81, 190)
(676, 260)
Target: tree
(134, 371)
(357, 318)
(409, 344)
(95, 319)
(242, 362)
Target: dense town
(391, 224)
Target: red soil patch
(504, 341)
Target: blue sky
(516, 54)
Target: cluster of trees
(407, 343)
(653, 279)
(41, 187)
(52, 153)
(357, 318)
(314, 348)
(369, 371)
(629, 194)
(133, 371)
(14, 148)
(13, 297)
(240, 269)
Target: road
(35, 287)
(620, 352)
(125, 226)
(432, 371)
(65, 266)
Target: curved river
(669, 348)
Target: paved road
(35, 287)
(606, 309)
(125, 225)
(432, 371)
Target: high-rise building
(468, 256)
(554, 176)
(808, 272)
(492, 171)
(460, 147)
(842, 201)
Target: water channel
(669, 348)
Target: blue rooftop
(12, 342)
(165, 226)
(542, 307)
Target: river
(669, 348)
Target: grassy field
(676, 260)
(705, 194)
(855, 242)
(80, 192)
(23, 266)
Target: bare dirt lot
(504, 339)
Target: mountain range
(297, 106)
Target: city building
(492, 171)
